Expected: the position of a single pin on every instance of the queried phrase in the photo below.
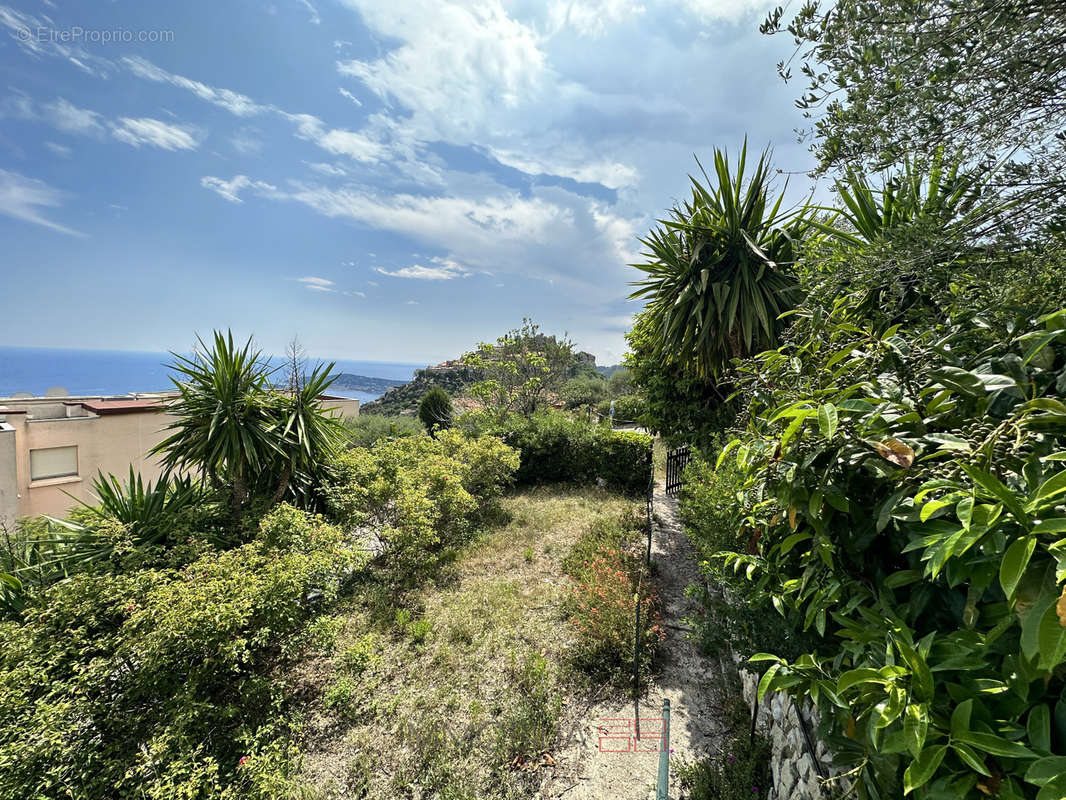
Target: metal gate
(676, 461)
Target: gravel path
(590, 764)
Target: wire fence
(662, 791)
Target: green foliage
(975, 76)
(365, 429)
(153, 683)
(241, 435)
(712, 507)
(587, 390)
(742, 772)
(719, 268)
(555, 447)
(682, 405)
(419, 496)
(627, 408)
(904, 496)
(435, 411)
(521, 369)
(530, 725)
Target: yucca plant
(918, 228)
(143, 507)
(719, 267)
(240, 434)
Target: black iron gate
(676, 461)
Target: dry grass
(460, 694)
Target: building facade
(52, 448)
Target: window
(53, 462)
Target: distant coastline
(94, 372)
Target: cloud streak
(23, 198)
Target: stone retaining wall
(794, 773)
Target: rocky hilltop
(452, 376)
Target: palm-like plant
(718, 268)
(239, 433)
(920, 228)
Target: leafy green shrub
(365, 429)
(419, 496)
(906, 499)
(362, 655)
(339, 695)
(154, 683)
(435, 410)
(627, 408)
(556, 448)
(587, 390)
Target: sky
(385, 180)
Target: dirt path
(590, 766)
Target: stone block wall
(794, 773)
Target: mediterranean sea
(88, 372)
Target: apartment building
(51, 448)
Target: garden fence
(676, 461)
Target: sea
(87, 372)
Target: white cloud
(337, 141)
(355, 294)
(443, 270)
(231, 189)
(22, 198)
(154, 132)
(315, 19)
(66, 116)
(316, 284)
(550, 234)
(25, 29)
(58, 149)
(236, 103)
(345, 93)
(330, 170)
(613, 175)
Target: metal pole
(662, 791)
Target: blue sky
(388, 180)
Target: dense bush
(435, 410)
(419, 496)
(154, 683)
(587, 390)
(904, 499)
(736, 614)
(365, 429)
(627, 408)
(555, 447)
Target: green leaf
(969, 757)
(1015, 560)
(923, 767)
(827, 420)
(993, 486)
(960, 719)
(915, 727)
(1055, 790)
(855, 677)
(1056, 525)
(1051, 637)
(1045, 770)
(1049, 489)
(996, 745)
(1039, 728)
(767, 678)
